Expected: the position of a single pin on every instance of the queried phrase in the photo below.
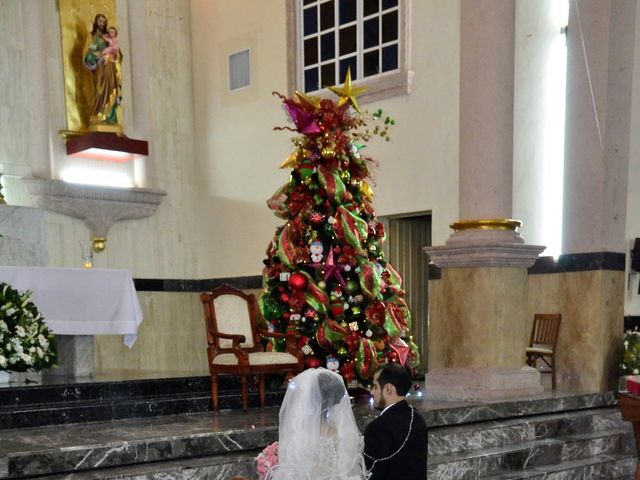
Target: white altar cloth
(78, 301)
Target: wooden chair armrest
(291, 338)
(237, 339)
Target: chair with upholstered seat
(543, 342)
(233, 324)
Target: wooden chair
(233, 336)
(543, 342)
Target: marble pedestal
(75, 356)
(470, 384)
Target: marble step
(484, 435)
(537, 453)
(211, 467)
(101, 402)
(80, 412)
(598, 467)
(27, 453)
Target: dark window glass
(348, 41)
(307, 2)
(328, 46)
(370, 32)
(389, 4)
(347, 11)
(328, 75)
(370, 7)
(389, 58)
(390, 27)
(310, 20)
(311, 80)
(327, 15)
(310, 51)
(345, 63)
(371, 63)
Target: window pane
(307, 2)
(389, 4)
(370, 32)
(310, 20)
(390, 27)
(371, 64)
(347, 11)
(350, 62)
(390, 58)
(328, 75)
(327, 15)
(328, 46)
(310, 51)
(348, 42)
(311, 80)
(370, 7)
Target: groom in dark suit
(395, 443)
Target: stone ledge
(488, 255)
(99, 207)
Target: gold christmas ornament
(348, 92)
(328, 152)
(366, 189)
(291, 160)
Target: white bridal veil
(319, 438)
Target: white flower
(636, 371)
(39, 352)
(626, 344)
(3, 361)
(10, 311)
(20, 331)
(26, 359)
(3, 326)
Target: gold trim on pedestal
(487, 224)
(99, 243)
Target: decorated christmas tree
(326, 278)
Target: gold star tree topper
(348, 92)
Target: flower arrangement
(267, 459)
(26, 343)
(630, 364)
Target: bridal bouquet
(26, 343)
(267, 459)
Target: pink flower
(267, 459)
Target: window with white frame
(366, 36)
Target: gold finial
(99, 244)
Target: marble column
(600, 64)
(478, 330)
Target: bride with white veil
(318, 435)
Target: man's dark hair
(396, 375)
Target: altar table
(78, 301)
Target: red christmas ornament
(285, 297)
(312, 362)
(298, 281)
(285, 315)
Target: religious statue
(102, 56)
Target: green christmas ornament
(345, 176)
(342, 352)
(352, 286)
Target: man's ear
(389, 389)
